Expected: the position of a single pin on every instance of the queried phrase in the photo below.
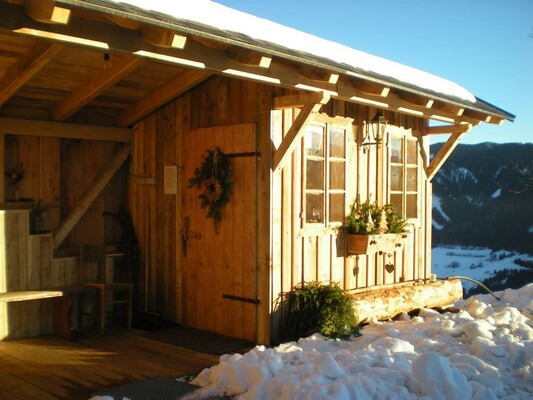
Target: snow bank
(482, 352)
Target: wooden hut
(110, 108)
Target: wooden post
(2, 167)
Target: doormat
(201, 341)
(155, 388)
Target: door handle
(187, 234)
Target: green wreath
(213, 179)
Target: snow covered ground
(484, 352)
(476, 263)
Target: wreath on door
(213, 178)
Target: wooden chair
(91, 255)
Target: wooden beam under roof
(27, 68)
(163, 37)
(440, 129)
(367, 87)
(214, 56)
(46, 11)
(418, 100)
(62, 130)
(168, 91)
(314, 102)
(100, 82)
(249, 58)
(443, 154)
(318, 74)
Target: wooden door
(219, 269)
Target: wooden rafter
(318, 74)
(96, 187)
(249, 58)
(311, 107)
(64, 131)
(95, 86)
(46, 11)
(444, 153)
(162, 37)
(437, 130)
(215, 56)
(23, 71)
(180, 84)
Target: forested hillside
(483, 196)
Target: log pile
(386, 303)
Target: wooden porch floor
(50, 368)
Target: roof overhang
(139, 34)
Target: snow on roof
(224, 18)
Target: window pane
(315, 175)
(396, 178)
(314, 207)
(336, 142)
(396, 201)
(412, 150)
(411, 206)
(336, 207)
(336, 175)
(314, 141)
(396, 151)
(411, 179)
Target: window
(403, 186)
(324, 174)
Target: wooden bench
(62, 300)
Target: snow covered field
(477, 263)
(484, 352)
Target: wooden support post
(444, 153)
(2, 167)
(90, 195)
(297, 130)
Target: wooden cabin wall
(160, 141)
(303, 255)
(58, 172)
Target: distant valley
(483, 198)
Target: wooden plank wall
(27, 264)
(153, 212)
(158, 142)
(58, 171)
(302, 255)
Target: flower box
(370, 244)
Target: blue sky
(483, 45)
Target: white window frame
(328, 159)
(405, 136)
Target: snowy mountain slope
(479, 198)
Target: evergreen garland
(213, 178)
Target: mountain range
(483, 197)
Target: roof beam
(95, 86)
(214, 56)
(249, 58)
(163, 37)
(22, 72)
(64, 131)
(443, 154)
(46, 11)
(364, 87)
(314, 102)
(168, 91)
(437, 130)
(318, 74)
(421, 101)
